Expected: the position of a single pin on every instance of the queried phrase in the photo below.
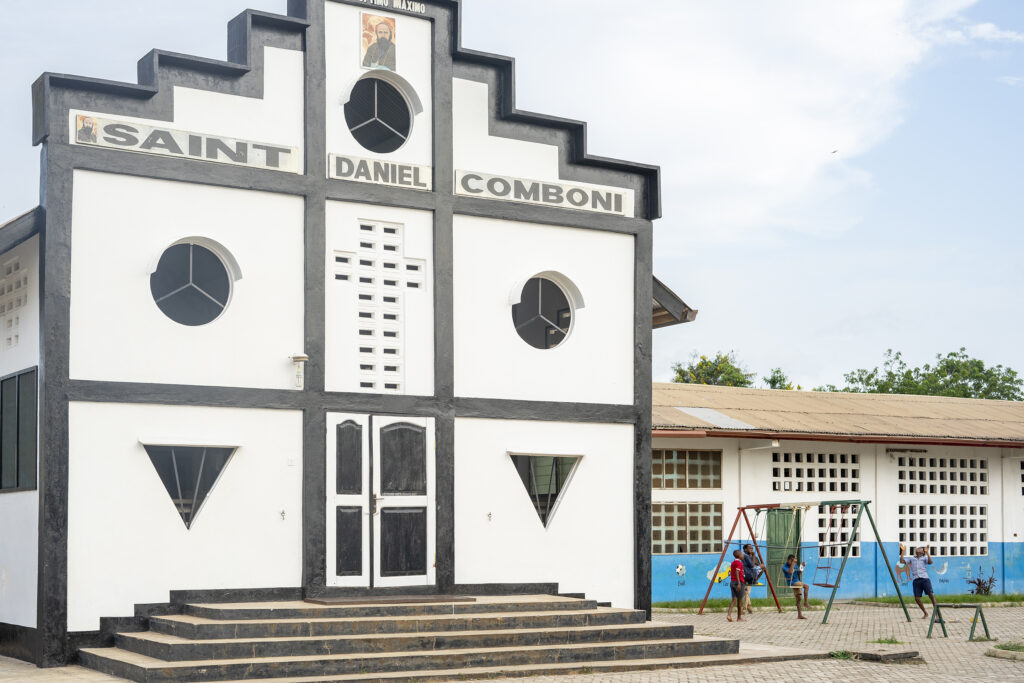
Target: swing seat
(825, 585)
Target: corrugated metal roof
(858, 415)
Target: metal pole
(881, 547)
(725, 547)
(758, 551)
(842, 565)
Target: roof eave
(669, 309)
(686, 433)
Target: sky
(839, 178)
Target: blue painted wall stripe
(686, 577)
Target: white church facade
(321, 319)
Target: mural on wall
(378, 43)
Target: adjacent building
(946, 473)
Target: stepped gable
(401, 641)
(53, 94)
(569, 134)
(160, 71)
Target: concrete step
(145, 669)
(300, 609)
(176, 649)
(748, 654)
(202, 628)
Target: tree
(777, 379)
(955, 374)
(722, 370)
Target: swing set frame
(862, 507)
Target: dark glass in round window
(543, 315)
(378, 115)
(191, 285)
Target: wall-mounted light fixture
(300, 360)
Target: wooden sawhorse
(979, 614)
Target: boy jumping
(918, 564)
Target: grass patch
(1012, 647)
(962, 598)
(840, 654)
(720, 604)
(891, 640)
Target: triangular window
(188, 473)
(545, 478)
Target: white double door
(380, 500)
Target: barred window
(686, 528)
(672, 469)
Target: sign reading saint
(378, 42)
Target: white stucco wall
(277, 118)
(19, 557)
(127, 543)
(1013, 496)
(19, 546)
(415, 310)
(493, 260)
(587, 546)
(24, 354)
(747, 477)
(475, 149)
(120, 227)
(414, 59)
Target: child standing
(736, 585)
(793, 575)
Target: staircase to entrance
(402, 640)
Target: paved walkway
(849, 628)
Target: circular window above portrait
(378, 115)
(544, 313)
(191, 284)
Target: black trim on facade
(54, 369)
(92, 391)
(242, 74)
(19, 642)
(642, 406)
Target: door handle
(373, 505)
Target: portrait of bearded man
(381, 54)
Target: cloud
(986, 32)
(991, 33)
(1013, 81)
(757, 112)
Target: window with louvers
(18, 407)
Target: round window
(191, 285)
(378, 115)
(543, 315)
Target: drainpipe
(1002, 514)
(879, 514)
